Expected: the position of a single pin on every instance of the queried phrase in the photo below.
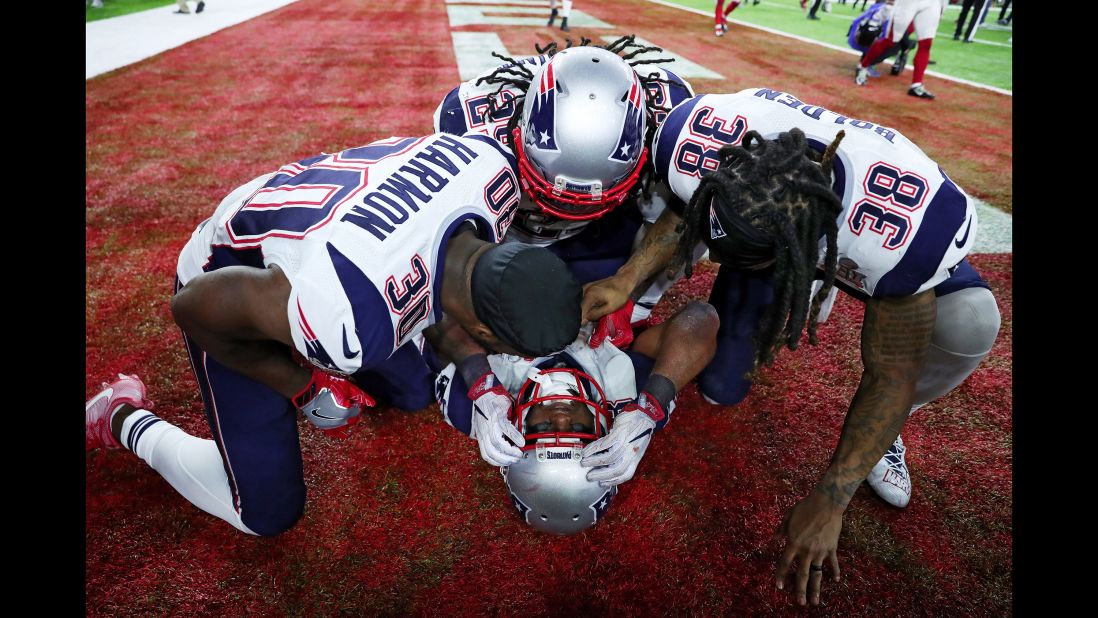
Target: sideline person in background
(872, 25)
(721, 16)
(564, 12)
(924, 15)
(979, 12)
(183, 10)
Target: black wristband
(661, 388)
(473, 366)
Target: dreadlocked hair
(783, 189)
(517, 74)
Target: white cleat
(861, 76)
(890, 478)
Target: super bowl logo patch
(847, 271)
(715, 229)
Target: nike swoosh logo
(347, 352)
(961, 243)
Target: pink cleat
(97, 412)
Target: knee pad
(964, 331)
(967, 323)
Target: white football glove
(615, 457)
(490, 427)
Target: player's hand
(491, 426)
(811, 533)
(603, 297)
(615, 326)
(615, 456)
(330, 402)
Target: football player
(784, 192)
(565, 12)
(924, 16)
(580, 120)
(339, 260)
(721, 19)
(579, 426)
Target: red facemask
(571, 205)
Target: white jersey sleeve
(361, 235)
(904, 223)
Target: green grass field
(987, 60)
(114, 8)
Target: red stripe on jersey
(305, 323)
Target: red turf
(404, 517)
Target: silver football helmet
(580, 139)
(548, 486)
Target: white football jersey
(361, 235)
(904, 226)
(466, 109)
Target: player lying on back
(567, 428)
(783, 192)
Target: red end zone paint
(403, 517)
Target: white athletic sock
(191, 465)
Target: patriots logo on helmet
(603, 503)
(715, 229)
(630, 141)
(543, 112)
(522, 508)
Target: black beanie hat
(735, 242)
(528, 297)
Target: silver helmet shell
(551, 491)
(580, 140)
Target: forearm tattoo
(655, 252)
(895, 337)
